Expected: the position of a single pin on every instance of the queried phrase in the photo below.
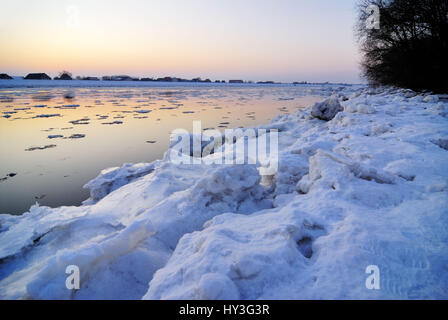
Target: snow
(113, 178)
(366, 186)
(326, 110)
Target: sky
(280, 40)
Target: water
(57, 139)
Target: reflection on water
(53, 141)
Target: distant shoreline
(19, 82)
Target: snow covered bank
(368, 187)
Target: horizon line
(168, 79)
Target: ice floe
(48, 146)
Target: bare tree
(65, 72)
(64, 75)
(410, 47)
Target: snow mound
(242, 260)
(326, 110)
(139, 223)
(113, 178)
(292, 254)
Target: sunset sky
(281, 40)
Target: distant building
(64, 76)
(37, 76)
(236, 81)
(4, 76)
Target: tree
(64, 75)
(410, 47)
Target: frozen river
(54, 139)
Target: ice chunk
(326, 110)
(431, 99)
(113, 178)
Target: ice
(327, 109)
(431, 98)
(48, 146)
(368, 186)
(47, 115)
(113, 178)
(242, 263)
(113, 122)
(76, 136)
(68, 106)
